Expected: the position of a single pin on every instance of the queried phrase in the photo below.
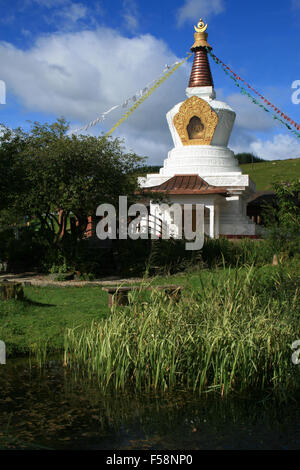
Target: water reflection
(54, 409)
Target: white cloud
(130, 15)
(9, 19)
(67, 17)
(278, 147)
(73, 12)
(80, 75)
(282, 146)
(193, 10)
(249, 115)
(25, 32)
(241, 140)
(50, 3)
(252, 120)
(64, 13)
(296, 4)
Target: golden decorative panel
(195, 122)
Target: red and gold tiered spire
(201, 74)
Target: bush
(283, 219)
(152, 257)
(24, 253)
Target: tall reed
(225, 336)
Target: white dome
(205, 160)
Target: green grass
(38, 324)
(265, 173)
(232, 331)
(40, 321)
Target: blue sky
(79, 58)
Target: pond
(52, 408)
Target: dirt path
(41, 280)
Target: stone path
(41, 280)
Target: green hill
(265, 173)
(262, 173)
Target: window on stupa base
(195, 128)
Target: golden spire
(201, 74)
(200, 36)
(201, 27)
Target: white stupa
(201, 168)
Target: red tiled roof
(188, 184)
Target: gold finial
(201, 27)
(200, 36)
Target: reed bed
(226, 336)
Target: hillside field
(265, 173)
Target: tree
(283, 217)
(57, 176)
(247, 158)
(12, 144)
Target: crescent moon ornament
(201, 26)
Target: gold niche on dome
(195, 122)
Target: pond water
(51, 408)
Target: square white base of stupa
(216, 165)
(223, 216)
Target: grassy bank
(38, 323)
(265, 173)
(233, 332)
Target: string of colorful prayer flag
(236, 78)
(150, 91)
(134, 98)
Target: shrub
(24, 253)
(283, 218)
